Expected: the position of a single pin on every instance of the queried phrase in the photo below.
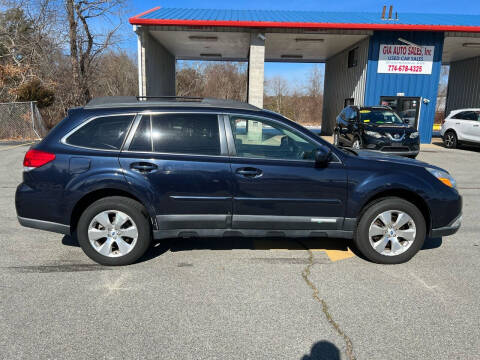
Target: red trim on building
(272, 24)
(144, 13)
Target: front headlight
(374, 134)
(444, 177)
(414, 135)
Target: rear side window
(467, 115)
(195, 134)
(105, 133)
(142, 140)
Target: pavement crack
(306, 276)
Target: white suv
(462, 125)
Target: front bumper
(399, 153)
(450, 229)
(403, 147)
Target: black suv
(376, 128)
(121, 171)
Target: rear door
(181, 160)
(465, 125)
(343, 127)
(277, 186)
(352, 125)
(476, 127)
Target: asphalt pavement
(241, 298)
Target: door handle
(143, 167)
(249, 172)
(475, 125)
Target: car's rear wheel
(390, 231)
(450, 139)
(114, 231)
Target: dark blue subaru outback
(121, 171)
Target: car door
(464, 124)
(343, 128)
(180, 160)
(352, 126)
(276, 183)
(476, 127)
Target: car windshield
(380, 117)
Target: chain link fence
(20, 121)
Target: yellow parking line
(335, 254)
(15, 146)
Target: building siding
(463, 85)
(158, 67)
(342, 82)
(424, 86)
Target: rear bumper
(44, 225)
(450, 229)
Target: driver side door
(276, 183)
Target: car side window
(353, 114)
(142, 140)
(466, 115)
(195, 134)
(260, 138)
(348, 113)
(104, 133)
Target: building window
(353, 57)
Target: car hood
(378, 156)
(390, 128)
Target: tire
(357, 143)
(120, 242)
(450, 139)
(370, 223)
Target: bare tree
(278, 87)
(85, 43)
(118, 75)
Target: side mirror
(406, 121)
(322, 156)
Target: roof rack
(165, 101)
(176, 98)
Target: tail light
(36, 158)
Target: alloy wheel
(450, 140)
(392, 232)
(112, 233)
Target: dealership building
(370, 58)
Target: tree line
(62, 53)
(227, 80)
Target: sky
(296, 74)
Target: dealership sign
(405, 59)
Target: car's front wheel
(390, 231)
(450, 139)
(114, 231)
